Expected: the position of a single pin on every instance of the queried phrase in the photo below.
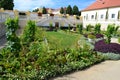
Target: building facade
(102, 11)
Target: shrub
(51, 26)
(13, 42)
(110, 56)
(91, 36)
(29, 32)
(89, 27)
(109, 32)
(101, 46)
(99, 36)
(119, 39)
(115, 30)
(96, 35)
(97, 28)
(80, 26)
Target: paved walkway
(108, 70)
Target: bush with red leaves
(102, 46)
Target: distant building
(102, 11)
(53, 11)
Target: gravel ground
(108, 70)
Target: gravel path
(108, 70)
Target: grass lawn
(62, 39)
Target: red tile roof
(100, 4)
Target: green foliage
(116, 30)
(75, 10)
(89, 27)
(84, 44)
(97, 28)
(91, 36)
(44, 11)
(109, 32)
(110, 56)
(7, 4)
(62, 10)
(80, 26)
(69, 27)
(119, 39)
(69, 10)
(29, 32)
(50, 24)
(61, 40)
(38, 62)
(13, 42)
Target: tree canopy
(7, 4)
(69, 10)
(62, 10)
(44, 11)
(75, 10)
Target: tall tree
(62, 10)
(69, 10)
(44, 11)
(7, 4)
(75, 10)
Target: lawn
(62, 39)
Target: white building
(102, 11)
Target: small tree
(89, 27)
(62, 10)
(7, 4)
(97, 28)
(80, 27)
(75, 10)
(69, 27)
(13, 42)
(69, 10)
(115, 30)
(109, 33)
(29, 32)
(51, 26)
(44, 11)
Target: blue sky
(32, 4)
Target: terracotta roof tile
(100, 4)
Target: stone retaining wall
(2, 29)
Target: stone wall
(2, 29)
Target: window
(92, 17)
(101, 16)
(113, 16)
(84, 17)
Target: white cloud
(31, 4)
